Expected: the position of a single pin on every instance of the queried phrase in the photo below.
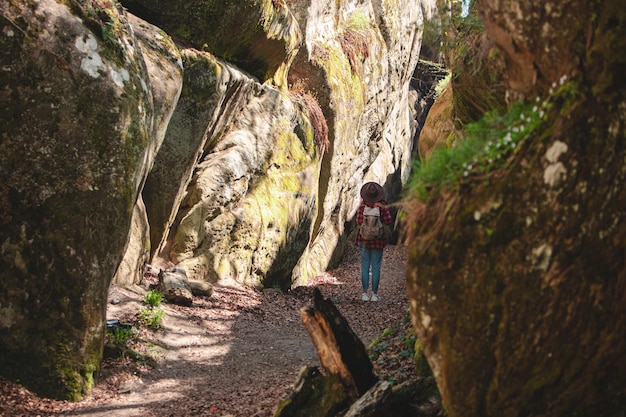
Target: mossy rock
(315, 395)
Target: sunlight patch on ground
(324, 278)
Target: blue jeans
(370, 259)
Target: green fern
(152, 317)
(153, 298)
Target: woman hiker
(371, 245)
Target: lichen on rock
(74, 154)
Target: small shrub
(121, 336)
(392, 353)
(153, 298)
(359, 20)
(152, 317)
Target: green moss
(484, 146)
(107, 22)
(305, 132)
(70, 377)
(276, 202)
(345, 83)
(442, 85)
(422, 368)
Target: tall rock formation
(517, 278)
(79, 132)
(234, 150)
(239, 211)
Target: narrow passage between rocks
(236, 353)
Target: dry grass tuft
(355, 45)
(316, 116)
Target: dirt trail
(235, 353)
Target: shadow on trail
(238, 352)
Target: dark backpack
(372, 227)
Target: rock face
(79, 128)
(262, 37)
(244, 181)
(266, 194)
(518, 285)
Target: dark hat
(372, 192)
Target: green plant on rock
(441, 85)
(104, 16)
(485, 145)
(359, 20)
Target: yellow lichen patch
(347, 85)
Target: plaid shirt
(385, 218)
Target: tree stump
(339, 349)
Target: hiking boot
(365, 297)
(375, 297)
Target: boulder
(78, 137)
(174, 286)
(242, 180)
(517, 278)
(201, 288)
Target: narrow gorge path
(236, 353)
